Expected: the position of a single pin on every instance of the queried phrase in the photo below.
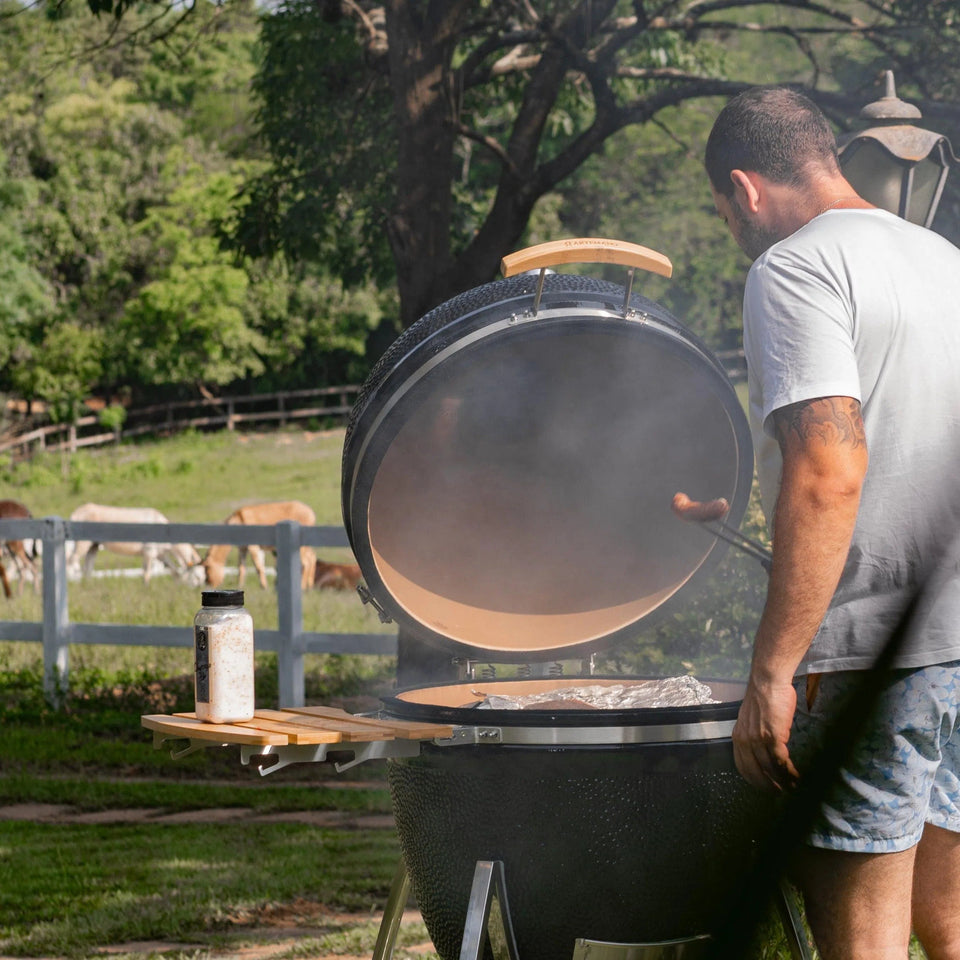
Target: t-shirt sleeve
(798, 335)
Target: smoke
(525, 497)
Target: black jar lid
(222, 598)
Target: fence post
(289, 615)
(56, 618)
(230, 414)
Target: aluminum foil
(667, 692)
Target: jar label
(202, 663)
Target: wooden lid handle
(585, 250)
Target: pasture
(200, 478)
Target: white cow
(177, 557)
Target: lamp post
(894, 164)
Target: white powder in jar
(223, 644)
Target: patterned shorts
(904, 772)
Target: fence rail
(217, 412)
(290, 641)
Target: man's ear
(747, 188)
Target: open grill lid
(509, 466)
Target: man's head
(771, 158)
(773, 131)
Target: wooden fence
(205, 414)
(222, 412)
(290, 641)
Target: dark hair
(773, 131)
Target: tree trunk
(422, 36)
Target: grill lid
(509, 468)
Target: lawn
(70, 890)
(73, 889)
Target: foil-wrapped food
(681, 691)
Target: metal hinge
(367, 597)
(471, 735)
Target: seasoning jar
(223, 648)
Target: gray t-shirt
(862, 304)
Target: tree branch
(112, 41)
(699, 8)
(470, 73)
(490, 143)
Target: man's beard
(753, 240)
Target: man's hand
(761, 733)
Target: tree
(478, 109)
(122, 148)
(26, 298)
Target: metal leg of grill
(695, 948)
(392, 914)
(792, 921)
(488, 915)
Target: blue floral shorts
(904, 772)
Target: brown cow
(336, 576)
(14, 510)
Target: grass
(89, 795)
(64, 890)
(191, 477)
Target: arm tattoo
(828, 420)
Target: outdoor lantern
(894, 164)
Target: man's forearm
(824, 462)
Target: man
(852, 339)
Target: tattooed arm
(824, 462)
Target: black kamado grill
(508, 471)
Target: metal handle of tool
(709, 514)
(749, 546)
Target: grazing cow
(14, 510)
(210, 570)
(336, 576)
(177, 557)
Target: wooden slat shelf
(298, 725)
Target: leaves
(121, 162)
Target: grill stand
(488, 917)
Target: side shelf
(274, 739)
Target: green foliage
(328, 127)
(648, 186)
(171, 794)
(63, 370)
(112, 417)
(118, 180)
(26, 297)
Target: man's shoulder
(848, 243)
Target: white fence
(289, 640)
